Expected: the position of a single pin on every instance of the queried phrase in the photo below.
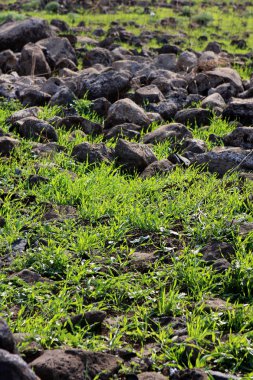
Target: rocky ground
(133, 101)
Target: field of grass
(88, 252)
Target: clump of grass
(203, 19)
(52, 7)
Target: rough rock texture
(221, 160)
(7, 144)
(36, 129)
(194, 116)
(75, 365)
(7, 341)
(240, 137)
(158, 167)
(14, 35)
(126, 111)
(109, 84)
(57, 48)
(32, 61)
(240, 109)
(133, 156)
(92, 153)
(14, 368)
(203, 82)
(173, 132)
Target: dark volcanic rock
(133, 156)
(241, 137)
(203, 82)
(14, 368)
(167, 109)
(190, 374)
(33, 97)
(40, 130)
(221, 160)
(7, 144)
(100, 106)
(32, 61)
(14, 35)
(75, 365)
(57, 48)
(129, 130)
(194, 145)
(126, 111)
(194, 116)
(108, 84)
(173, 132)
(212, 101)
(8, 61)
(240, 109)
(92, 153)
(93, 317)
(79, 122)
(63, 97)
(157, 167)
(150, 94)
(98, 55)
(7, 341)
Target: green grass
(88, 259)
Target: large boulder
(126, 111)
(75, 364)
(240, 109)
(14, 368)
(109, 84)
(14, 35)
(32, 61)
(133, 156)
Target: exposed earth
(126, 168)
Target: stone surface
(172, 132)
(222, 160)
(32, 61)
(126, 111)
(133, 156)
(194, 116)
(14, 35)
(57, 48)
(37, 129)
(148, 94)
(126, 130)
(92, 153)
(109, 84)
(14, 368)
(7, 341)
(7, 145)
(75, 365)
(240, 109)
